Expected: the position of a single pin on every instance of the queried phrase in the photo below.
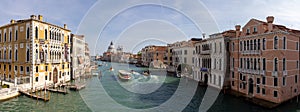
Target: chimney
(40, 17)
(32, 17)
(270, 20)
(65, 26)
(237, 30)
(203, 35)
(12, 21)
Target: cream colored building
(34, 51)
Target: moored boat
(7, 93)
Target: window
(185, 52)
(0, 37)
(275, 64)
(263, 91)
(275, 81)
(257, 89)
(37, 79)
(251, 44)
(27, 55)
(275, 42)
(245, 45)
(232, 83)
(46, 78)
(257, 80)
(297, 46)
(258, 44)
(220, 47)
(46, 68)
(232, 47)
(21, 68)
(10, 54)
(16, 68)
(27, 33)
(232, 74)
(36, 69)
(254, 30)
(232, 63)
(241, 76)
(275, 94)
(284, 43)
(10, 36)
(248, 31)
(16, 55)
(264, 43)
(264, 63)
(263, 80)
(220, 64)
(215, 47)
(16, 35)
(248, 45)
(296, 78)
(283, 81)
(5, 37)
(27, 69)
(241, 45)
(241, 63)
(36, 32)
(46, 34)
(283, 64)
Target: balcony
(48, 61)
(251, 52)
(55, 61)
(250, 71)
(38, 61)
(205, 52)
(275, 73)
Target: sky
(133, 24)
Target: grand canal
(111, 95)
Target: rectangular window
(258, 44)
(275, 81)
(232, 83)
(284, 43)
(232, 74)
(275, 94)
(241, 63)
(264, 43)
(220, 47)
(232, 47)
(264, 63)
(257, 80)
(263, 91)
(241, 76)
(185, 52)
(257, 89)
(220, 64)
(296, 78)
(283, 81)
(27, 69)
(297, 46)
(21, 68)
(254, 30)
(263, 80)
(241, 45)
(46, 68)
(248, 31)
(283, 64)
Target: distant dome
(111, 48)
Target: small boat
(7, 93)
(124, 75)
(146, 73)
(111, 69)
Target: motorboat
(124, 75)
(146, 73)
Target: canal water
(141, 93)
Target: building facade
(35, 52)
(265, 61)
(153, 56)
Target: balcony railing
(250, 71)
(5, 60)
(247, 52)
(205, 52)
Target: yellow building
(35, 52)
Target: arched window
(16, 55)
(36, 79)
(36, 32)
(284, 43)
(16, 35)
(27, 33)
(36, 69)
(27, 55)
(275, 64)
(36, 54)
(275, 42)
(46, 34)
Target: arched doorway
(250, 91)
(55, 75)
